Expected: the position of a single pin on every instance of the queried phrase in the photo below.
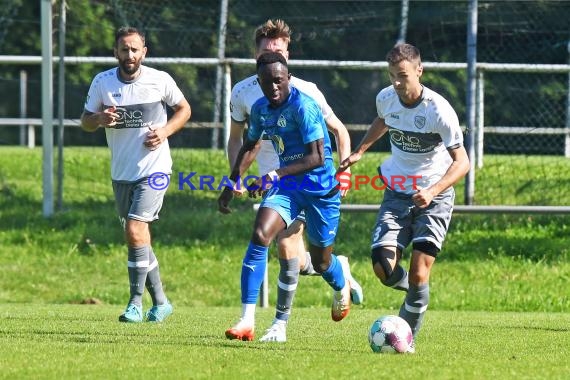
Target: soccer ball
(390, 334)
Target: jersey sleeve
(380, 105)
(238, 112)
(448, 126)
(94, 101)
(310, 124)
(172, 94)
(318, 97)
(254, 131)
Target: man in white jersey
(427, 159)
(130, 101)
(274, 36)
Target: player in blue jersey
(305, 181)
(294, 260)
(427, 144)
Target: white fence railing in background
(348, 65)
(227, 63)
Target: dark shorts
(400, 222)
(137, 200)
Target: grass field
(499, 307)
(73, 342)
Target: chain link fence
(517, 105)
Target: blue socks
(334, 275)
(253, 272)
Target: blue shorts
(322, 213)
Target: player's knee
(381, 263)
(419, 274)
(137, 233)
(261, 237)
(421, 265)
(287, 247)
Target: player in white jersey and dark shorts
(428, 158)
(274, 36)
(130, 102)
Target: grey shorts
(137, 200)
(400, 222)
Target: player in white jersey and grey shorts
(427, 159)
(274, 36)
(130, 101)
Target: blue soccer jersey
(296, 122)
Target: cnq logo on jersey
(130, 118)
(404, 141)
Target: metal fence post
(471, 97)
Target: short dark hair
(269, 58)
(403, 52)
(127, 30)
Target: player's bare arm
(227, 194)
(235, 141)
(107, 118)
(458, 169)
(314, 158)
(182, 113)
(342, 138)
(377, 129)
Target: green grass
(73, 342)
(499, 304)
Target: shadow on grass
(186, 218)
(190, 218)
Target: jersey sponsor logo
(293, 157)
(137, 116)
(414, 142)
(116, 95)
(419, 121)
(394, 116)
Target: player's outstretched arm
(342, 138)
(377, 129)
(227, 194)
(235, 142)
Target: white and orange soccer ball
(391, 334)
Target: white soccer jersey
(419, 136)
(247, 92)
(141, 105)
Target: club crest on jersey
(282, 122)
(419, 122)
